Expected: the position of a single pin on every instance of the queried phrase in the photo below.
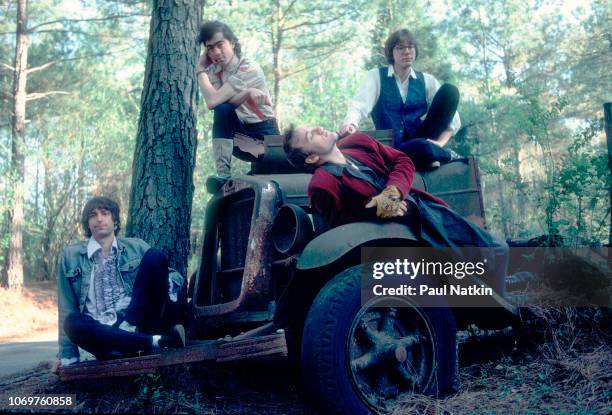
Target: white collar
(93, 246)
(391, 72)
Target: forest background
(533, 77)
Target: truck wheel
(361, 359)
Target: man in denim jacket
(116, 296)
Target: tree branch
(308, 23)
(39, 95)
(41, 67)
(287, 10)
(317, 59)
(95, 55)
(5, 66)
(95, 19)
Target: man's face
(316, 141)
(101, 223)
(404, 54)
(219, 50)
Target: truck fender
(333, 244)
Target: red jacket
(343, 199)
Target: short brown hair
(100, 202)
(211, 28)
(401, 35)
(295, 155)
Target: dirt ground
(31, 315)
(562, 363)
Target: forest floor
(30, 315)
(560, 363)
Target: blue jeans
(150, 310)
(226, 124)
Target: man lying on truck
(116, 296)
(358, 178)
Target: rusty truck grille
(234, 224)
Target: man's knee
(154, 258)
(449, 92)
(224, 111)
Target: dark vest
(391, 113)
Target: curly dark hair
(100, 202)
(401, 35)
(211, 28)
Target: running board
(273, 345)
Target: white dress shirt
(364, 101)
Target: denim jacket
(74, 276)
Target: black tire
(339, 379)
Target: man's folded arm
(212, 96)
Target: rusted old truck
(275, 281)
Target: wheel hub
(390, 354)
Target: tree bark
(15, 252)
(608, 127)
(276, 36)
(164, 157)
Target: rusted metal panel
(138, 365)
(458, 184)
(256, 275)
(111, 368)
(271, 345)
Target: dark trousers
(442, 227)
(226, 124)
(150, 310)
(438, 118)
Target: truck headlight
(292, 229)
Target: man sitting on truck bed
(422, 114)
(116, 296)
(359, 178)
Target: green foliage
(532, 75)
(151, 393)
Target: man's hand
(259, 97)
(388, 203)
(203, 63)
(346, 129)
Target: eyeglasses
(401, 48)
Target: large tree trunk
(15, 259)
(164, 158)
